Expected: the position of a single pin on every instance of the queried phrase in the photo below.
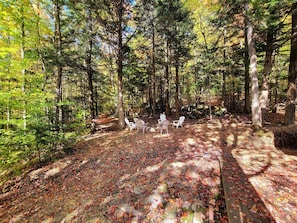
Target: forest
(66, 63)
(63, 63)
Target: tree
(23, 99)
(174, 26)
(145, 20)
(89, 53)
(255, 106)
(292, 75)
(113, 17)
(268, 63)
(59, 65)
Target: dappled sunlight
(49, 171)
(153, 168)
(251, 161)
(174, 181)
(275, 180)
(162, 136)
(270, 173)
(128, 176)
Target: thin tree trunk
(23, 68)
(292, 76)
(89, 61)
(58, 46)
(247, 102)
(120, 65)
(176, 89)
(153, 70)
(167, 96)
(266, 72)
(256, 112)
(224, 70)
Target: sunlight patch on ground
(153, 168)
(190, 142)
(58, 167)
(251, 161)
(284, 198)
(76, 212)
(270, 172)
(164, 135)
(126, 208)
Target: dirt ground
(127, 176)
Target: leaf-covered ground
(124, 176)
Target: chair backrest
(181, 120)
(127, 121)
(162, 117)
(139, 123)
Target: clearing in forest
(127, 176)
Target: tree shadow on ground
(256, 164)
(125, 176)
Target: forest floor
(127, 176)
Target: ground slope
(124, 176)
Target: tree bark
(58, 47)
(23, 36)
(256, 111)
(292, 91)
(224, 70)
(153, 70)
(266, 72)
(89, 61)
(167, 94)
(120, 64)
(176, 90)
(247, 102)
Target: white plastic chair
(162, 118)
(179, 122)
(131, 125)
(163, 126)
(140, 124)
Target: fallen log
(100, 124)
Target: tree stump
(285, 136)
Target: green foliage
(39, 143)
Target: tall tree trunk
(120, 64)
(176, 89)
(58, 46)
(89, 60)
(266, 72)
(247, 102)
(23, 68)
(167, 93)
(161, 94)
(256, 111)
(153, 69)
(292, 86)
(224, 70)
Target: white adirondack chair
(163, 126)
(162, 118)
(140, 124)
(179, 122)
(131, 125)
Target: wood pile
(100, 124)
